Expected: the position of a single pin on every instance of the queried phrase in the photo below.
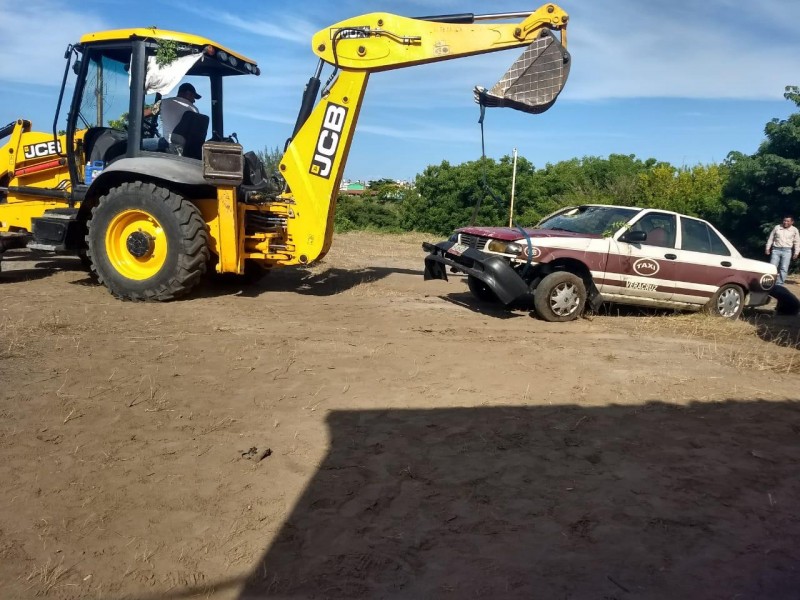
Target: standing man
(782, 246)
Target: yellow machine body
(40, 173)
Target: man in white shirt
(782, 246)
(172, 109)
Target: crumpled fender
(495, 272)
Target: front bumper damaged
(495, 272)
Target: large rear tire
(147, 243)
(559, 297)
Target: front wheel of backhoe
(147, 243)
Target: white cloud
(420, 131)
(280, 26)
(35, 35)
(289, 30)
(714, 50)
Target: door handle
(671, 256)
(726, 263)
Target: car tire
(480, 290)
(727, 303)
(560, 297)
(147, 243)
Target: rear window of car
(697, 236)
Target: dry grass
(360, 248)
(48, 576)
(756, 344)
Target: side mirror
(633, 237)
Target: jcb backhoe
(150, 216)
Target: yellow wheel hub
(136, 244)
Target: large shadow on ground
(28, 265)
(327, 282)
(652, 501)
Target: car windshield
(595, 220)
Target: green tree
(764, 186)
(121, 123)
(690, 190)
(365, 212)
(447, 195)
(271, 158)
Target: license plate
(458, 249)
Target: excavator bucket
(534, 81)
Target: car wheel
(480, 290)
(728, 302)
(559, 297)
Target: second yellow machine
(150, 217)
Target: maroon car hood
(508, 234)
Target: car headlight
(453, 238)
(502, 247)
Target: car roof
(639, 208)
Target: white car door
(705, 262)
(643, 272)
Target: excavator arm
(313, 164)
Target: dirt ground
(354, 431)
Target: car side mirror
(633, 237)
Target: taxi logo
(767, 281)
(533, 252)
(646, 267)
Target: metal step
(46, 247)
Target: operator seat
(104, 144)
(189, 135)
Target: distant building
(362, 187)
(355, 188)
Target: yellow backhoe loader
(150, 216)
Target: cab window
(659, 227)
(697, 236)
(105, 98)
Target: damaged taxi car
(592, 254)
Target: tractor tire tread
(191, 261)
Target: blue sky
(681, 81)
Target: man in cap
(172, 109)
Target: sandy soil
(353, 431)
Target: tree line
(744, 196)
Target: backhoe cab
(151, 216)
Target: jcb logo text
(42, 149)
(328, 140)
